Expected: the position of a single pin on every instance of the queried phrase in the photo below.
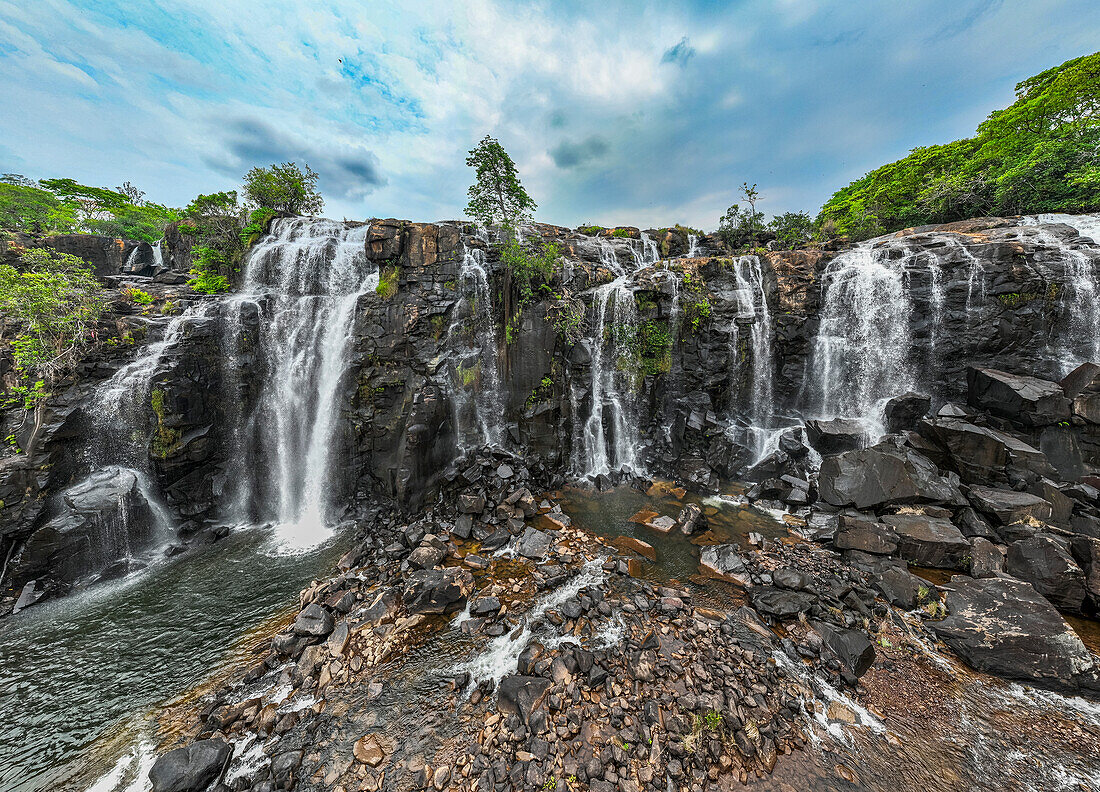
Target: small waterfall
(158, 256)
(476, 383)
(308, 276)
(612, 409)
(1079, 340)
(693, 245)
(861, 354)
(753, 303)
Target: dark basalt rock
(865, 535)
(1046, 563)
(781, 603)
(691, 520)
(437, 590)
(884, 474)
(928, 541)
(1003, 626)
(903, 412)
(521, 695)
(1029, 401)
(836, 436)
(852, 647)
(192, 768)
(980, 454)
(1008, 506)
(725, 561)
(314, 621)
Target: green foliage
(1037, 155)
(469, 376)
(646, 348)
(531, 266)
(146, 222)
(568, 315)
(387, 282)
(52, 303)
(792, 229)
(137, 296)
(496, 197)
(590, 230)
(622, 233)
(258, 223)
(165, 438)
(27, 208)
(713, 720)
(739, 227)
(697, 313)
(284, 188)
(207, 264)
(543, 391)
(689, 230)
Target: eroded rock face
(884, 474)
(1027, 400)
(1003, 626)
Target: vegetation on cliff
(1040, 154)
(497, 197)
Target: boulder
(726, 562)
(192, 768)
(1003, 626)
(928, 541)
(437, 590)
(534, 544)
(521, 695)
(1046, 563)
(368, 750)
(1086, 552)
(1082, 385)
(852, 647)
(691, 520)
(884, 474)
(781, 603)
(1029, 401)
(979, 454)
(903, 412)
(986, 559)
(426, 556)
(314, 622)
(791, 578)
(836, 436)
(865, 535)
(899, 586)
(632, 545)
(1009, 506)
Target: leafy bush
(590, 230)
(697, 313)
(53, 302)
(792, 229)
(284, 188)
(207, 265)
(1037, 155)
(530, 266)
(387, 282)
(137, 296)
(622, 233)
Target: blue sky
(615, 112)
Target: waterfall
(158, 256)
(1079, 340)
(861, 354)
(594, 452)
(307, 276)
(753, 304)
(478, 394)
(693, 245)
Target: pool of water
(90, 669)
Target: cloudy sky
(615, 112)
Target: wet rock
(790, 578)
(903, 412)
(884, 474)
(313, 621)
(368, 750)
(632, 545)
(781, 603)
(437, 590)
(851, 647)
(521, 695)
(899, 586)
(1047, 564)
(534, 544)
(663, 524)
(1009, 506)
(471, 504)
(485, 606)
(338, 639)
(382, 607)
(1082, 385)
(928, 541)
(691, 520)
(1086, 552)
(865, 535)
(192, 768)
(1003, 626)
(986, 559)
(980, 454)
(836, 436)
(1029, 401)
(725, 561)
(426, 556)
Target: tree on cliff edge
(496, 197)
(284, 188)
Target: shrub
(387, 282)
(284, 188)
(137, 296)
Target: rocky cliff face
(635, 356)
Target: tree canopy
(284, 188)
(1040, 154)
(496, 197)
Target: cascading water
(476, 384)
(861, 354)
(1080, 300)
(612, 407)
(753, 304)
(307, 276)
(693, 245)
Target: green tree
(792, 229)
(214, 222)
(27, 208)
(284, 188)
(1040, 154)
(49, 307)
(496, 197)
